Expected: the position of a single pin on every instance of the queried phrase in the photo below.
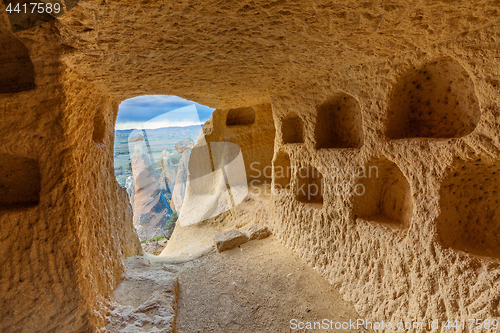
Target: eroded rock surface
(228, 239)
(257, 231)
(145, 301)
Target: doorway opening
(154, 136)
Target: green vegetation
(152, 240)
(170, 225)
(167, 230)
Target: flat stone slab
(257, 231)
(228, 239)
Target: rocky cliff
(151, 208)
(183, 147)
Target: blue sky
(150, 111)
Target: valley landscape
(158, 140)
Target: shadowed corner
(17, 73)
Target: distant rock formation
(184, 146)
(129, 185)
(168, 176)
(152, 210)
(136, 136)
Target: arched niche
(437, 100)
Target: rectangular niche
(382, 195)
(309, 187)
(470, 215)
(282, 171)
(240, 116)
(17, 72)
(292, 129)
(99, 130)
(19, 182)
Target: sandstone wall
(252, 129)
(66, 224)
(103, 215)
(422, 242)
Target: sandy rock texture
(146, 299)
(66, 225)
(192, 240)
(256, 287)
(238, 53)
(252, 129)
(406, 221)
(408, 86)
(257, 231)
(228, 239)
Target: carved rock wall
(403, 255)
(420, 241)
(66, 224)
(252, 129)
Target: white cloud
(185, 116)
